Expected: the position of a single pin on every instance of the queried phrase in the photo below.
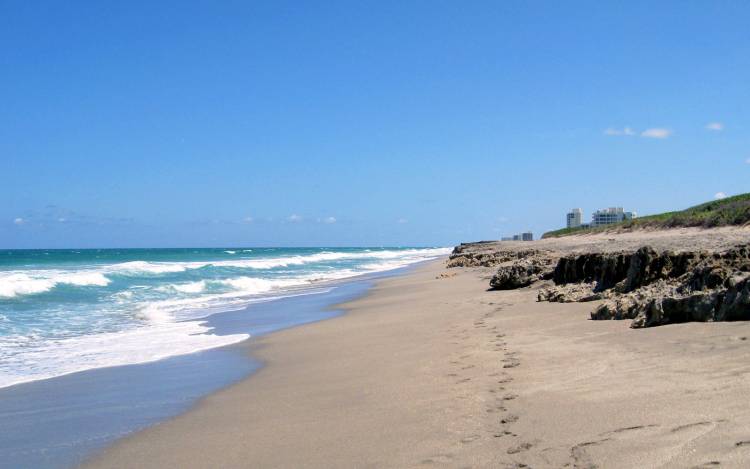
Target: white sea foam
(40, 359)
(143, 267)
(21, 284)
(189, 287)
(83, 279)
(16, 283)
(231, 252)
(243, 291)
(166, 315)
(251, 285)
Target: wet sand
(430, 369)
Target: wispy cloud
(402, 221)
(52, 215)
(625, 131)
(248, 220)
(747, 161)
(656, 133)
(720, 195)
(715, 126)
(329, 220)
(294, 218)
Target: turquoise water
(63, 311)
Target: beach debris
(446, 275)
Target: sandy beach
(375, 235)
(430, 369)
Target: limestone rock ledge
(654, 288)
(649, 287)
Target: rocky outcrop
(726, 302)
(648, 286)
(517, 275)
(653, 288)
(628, 270)
(467, 255)
(602, 270)
(571, 293)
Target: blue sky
(361, 123)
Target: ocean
(66, 311)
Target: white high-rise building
(575, 218)
(611, 215)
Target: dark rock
(647, 266)
(654, 288)
(698, 306)
(516, 276)
(650, 287)
(736, 302)
(604, 270)
(466, 258)
(571, 293)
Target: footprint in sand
(509, 419)
(439, 459)
(469, 439)
(707, 465)
(520, 448)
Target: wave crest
(19, 284)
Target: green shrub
(730, 211)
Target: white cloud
(656, 133)
(329, 220)
(248, 220)
(294, 218)
(715, 126)
(747, 161)
(402, 221)
(19, 221)
(616, 132)
(720, 195)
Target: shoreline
(430, 369)
(263, 350)
(100, 408)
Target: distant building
(575, 218)
(611, 215)
(528, 236)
